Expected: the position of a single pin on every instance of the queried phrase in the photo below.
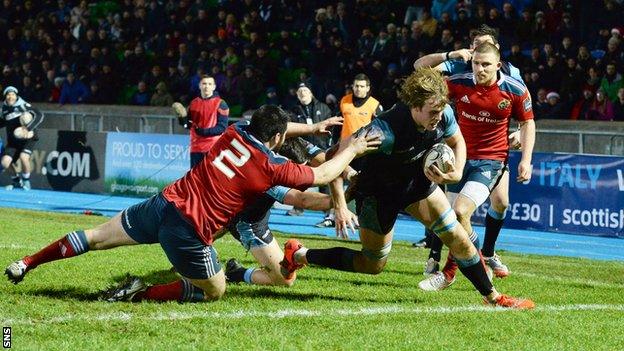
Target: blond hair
(423, 84)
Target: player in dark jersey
(485, 102)
(21, 120)
(187, 215)
(455, 62)
(393, 179)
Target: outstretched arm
(435, 60)
(320, 128)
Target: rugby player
(455, 62)
(393, 179)
(485, 101)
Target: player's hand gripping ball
(439, 155)
(26, 118)
(179, 110)
(23, 133)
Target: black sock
(237, 275)
(478, 277)
(492, 229)
(339, 258)
(435, 248)
(16, 179)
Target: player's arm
(527, 140)
(223, 112)
(522, 111)
(182, 113)
(308, 200)
(37, 117)
(320, 128)
(436, 60)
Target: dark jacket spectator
(73, 90)
(555, 108)
(161, 96)
(142, 96)
(309, 110)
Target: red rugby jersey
(204, 114)
(484, 113)
(233, 173)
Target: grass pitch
(580, 303)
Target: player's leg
(7, 164)
(136, 224)
(499, 202)
(376, 221)
(435, 212)
(26, 168)
(257, 239)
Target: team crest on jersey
(465, 99)
(504, 104)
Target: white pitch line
(370, 311)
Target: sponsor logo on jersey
(527, 104)
(487, 174)
(484, 114)
(504, 104)
(465, 99)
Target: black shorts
(378, 212)
(14, 149)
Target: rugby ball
(23, 133)
(439, 155)
(26, 118)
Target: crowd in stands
(145, 52)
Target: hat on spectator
(9, 89)
(271, 90)
(552, 94)
(539, 13)
(303, 85)
(616, 31)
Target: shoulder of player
(255, 144)
(511, 85)
(466, 78)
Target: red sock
(164, 292)
(57, 250)
(450, 268)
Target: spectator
(612, 81)
(601, 108)
(249, 89)
(161, 96)
(555, 108)
(271, 96)
(580, 108)
(309, 110)
(73, 90)
(142, 96)
(95, 94)
(618, 106)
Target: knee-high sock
(339, 258)
(493, 225)
(72, 244)
(179, 290)
(474, 269)
(435, 248)
(450, 267)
